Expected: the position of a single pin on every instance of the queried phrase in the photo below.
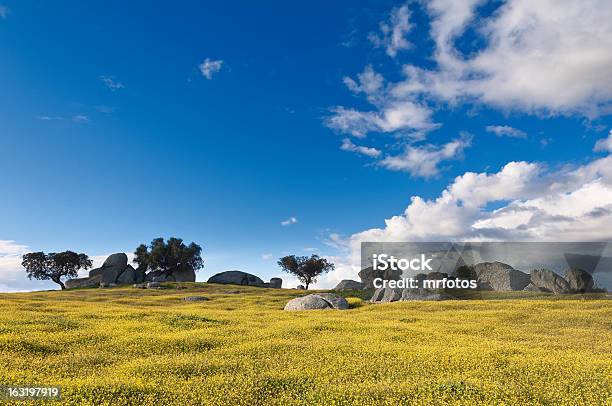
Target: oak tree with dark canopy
(168, 257)
(304, 268)
(54, 266)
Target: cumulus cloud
(424, 161)
(347, 145)
(506, 131)
(391, 115)
(111, 83)
(604, 144)
(540, 57)
(392, 35)
(209, 67)
(545, 57)
(291, 220)
(533, 203)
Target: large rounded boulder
(236, 278)
(119, 261)
(317, 301)
(578, 280)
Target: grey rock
(107, 285)
(378, 295)
(367, 276)
(317, 301)
(96, 272)
(392, 295)
(348, 284)
(276, 283)
(195, 299)
(310, 302)
(236, 278)
(153, 285)
(300, 287)
(336, 301)
(426, 294)
(549, 281)
(579, 280)
(92, 282)
(532, 288)
(140, 285)
(128, 276)
(119, 261)
(111, 274)
(499, 276)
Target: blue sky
(115, 130)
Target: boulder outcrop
(236, 278)
(499, 276)
(114, 271)
(548, 281)
(317, 301)
(579, 281)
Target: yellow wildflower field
(126, 346)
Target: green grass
(130, 346)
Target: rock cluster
(114, 271)
(495, 276)
(318, 301)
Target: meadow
(126, 346)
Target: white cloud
(550, 57)
(49, 118)
(266, 257)
(210, 67)
(567, 204)
(506, 131)
(10, 247)
(604, 144)
(79, 118)
(347, 145)
(543, 57)
(391, 115)
(393, 32)
(423, 161)
(4, 12)
(111, 83)
(291, 220)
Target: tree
(54, 266)
(169, 257)
(304, 268)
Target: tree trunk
(59, 282)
